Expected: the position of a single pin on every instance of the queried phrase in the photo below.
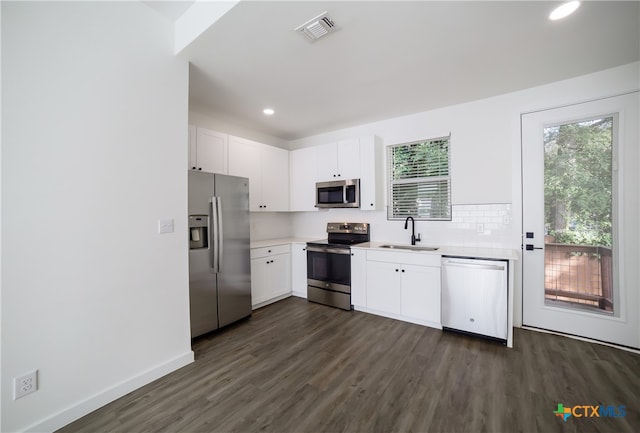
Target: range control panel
(360, 228)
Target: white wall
(94, 146)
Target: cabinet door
(383, 287)
(303, 171)
(279, 275)
(245, 161)
(370, 174)
(349, 159)
(359, 277)
(211, 151)
(327, 162)
(275, 179)
(193, 155)
(299, 269)
(421, 292)
(259, 280)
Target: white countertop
(280, 241)
(484, 253)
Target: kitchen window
(419, 180)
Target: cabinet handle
(334, 175)
(193, 168)
(396, 270)
(304, 249)
(403, 270)
(199, 168)
(268, 251)
(371, 204)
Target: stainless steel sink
(409, 247)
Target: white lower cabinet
(299, 269)
(383, 290)
(420, 297)
(404, 285)
(270, 274)
(358, 277)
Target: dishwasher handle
(470, 264)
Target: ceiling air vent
(317, 27)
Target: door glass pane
(579, 188)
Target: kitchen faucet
(413, 230)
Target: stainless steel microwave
(338, 193)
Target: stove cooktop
(344, 234)
(338, 242)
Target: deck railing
(579, 274)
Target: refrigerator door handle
(219, 232)
(213, 237)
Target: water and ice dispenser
(198, 231)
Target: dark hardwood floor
(302, 367)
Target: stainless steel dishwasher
(474, 296)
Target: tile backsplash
(472, 225)
(482, 225)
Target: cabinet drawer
(420, 259)
(256, 253)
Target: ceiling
(394, 58)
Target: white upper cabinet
(267, 168)
(208, 150)
(275, 179)
(359, 158)
(371, 174)
(303, 171)
(339, 160)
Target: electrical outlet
(25, 384)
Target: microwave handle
(344, 194)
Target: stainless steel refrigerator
(219, 262)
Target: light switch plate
(165, 226)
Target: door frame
(623, 312)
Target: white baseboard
(84, 407)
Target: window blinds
(419, 180)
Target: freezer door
(202, 293)
(202, 279)
(234, 276)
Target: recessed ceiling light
(268, 111)
(564, 10)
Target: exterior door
(580, 220)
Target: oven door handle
(328, 250)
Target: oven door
(329, 268)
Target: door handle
(220, 232)
(215, 210)
(213, 235)
(530, 247)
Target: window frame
(424, 181)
